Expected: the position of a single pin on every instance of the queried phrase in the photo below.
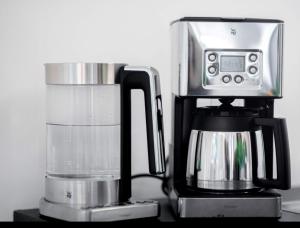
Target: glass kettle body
(89, 132)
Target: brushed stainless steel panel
(190, 40)
(82, 192)
(229, 207)
(126, 211)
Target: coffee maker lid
(82, 73)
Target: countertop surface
(167, 215)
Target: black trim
(267, 111)
(224, 124)
(234, 97)
(283, 180)
(184, 109)
(133, 80)
(225, 118)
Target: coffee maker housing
(219, 60)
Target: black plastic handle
(140, 79)
(283, 181)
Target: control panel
(232, 69)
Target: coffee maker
(88, 176)
(226, 74)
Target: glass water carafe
(89, 133)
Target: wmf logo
(233, 31)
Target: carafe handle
(146, 79)
(279, 129)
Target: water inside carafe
(83, 151)
(83, 131)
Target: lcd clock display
(231, 63)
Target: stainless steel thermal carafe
(227, 150)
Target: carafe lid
(225, 118)
(228, 111)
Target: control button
(238, 79)
(212, 69)
(252, 70)
(212, 57)
(252, 57)
(226, 78)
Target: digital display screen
(230, 63)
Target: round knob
(252, 57)
(212, 57)
(238, 79)
(226, 78)
(212, 69)
(252, 70)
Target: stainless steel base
(131, 210)
(229, 206)
(82, 192)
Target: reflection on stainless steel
(82, 73)
(223, 160)
(79, 186)
(229, 206)
(250, 80)
(82, 192)
(224, 163)
(156, 107)
(130, 210)
(191, 40)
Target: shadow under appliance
(222, 161)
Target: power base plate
(130, 210)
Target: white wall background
(33, 32)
